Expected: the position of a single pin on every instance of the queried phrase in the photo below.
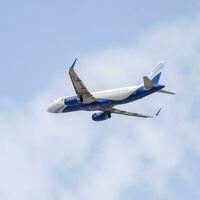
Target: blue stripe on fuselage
(104, 104)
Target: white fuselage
(115, 94)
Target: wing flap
(122, 112)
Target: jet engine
(100, 116)
(71, 101)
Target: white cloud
(45, 156)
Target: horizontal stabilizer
(166, 92)
(147, 83)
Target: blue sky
(45, 156)
(39, 39)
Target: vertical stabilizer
(154, 76)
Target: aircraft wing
(81, 91)
(122, 112)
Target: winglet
(158, 112)
(73, 63)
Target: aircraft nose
(51, 108)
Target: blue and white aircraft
(105, 101)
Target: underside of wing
(122, 112)
(82, 92)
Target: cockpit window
(58, 100)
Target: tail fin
(154, 76)
(153, 79)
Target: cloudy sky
(57, 157)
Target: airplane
(105, 101)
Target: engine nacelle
(71, 101)
(100, 116)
